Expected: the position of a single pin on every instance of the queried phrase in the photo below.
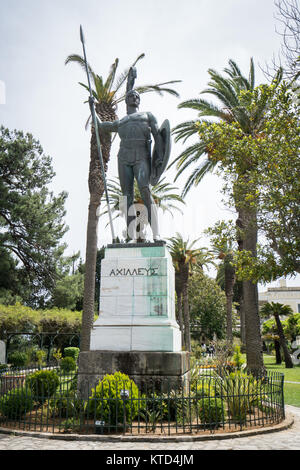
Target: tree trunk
(96, 188)
(287, 358)
(254, 352)
(229, 335)
(89, 278)
(180, 317)
(186, 314)
(178, 289)
(184, 280)
(242, 320)
(229, 284)
(248, 241)
(277, 351)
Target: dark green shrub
(66, 405)
(177, 407)
(15, 403)
(211, 411)
(67, 364)
(152, 402)
(169, 406)
(70, 425)
(17, 359)
(72, 352)
(106, 403)
(42, 384)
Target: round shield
(157, 169)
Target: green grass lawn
(291, 391)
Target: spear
(94, 118)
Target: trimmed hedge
(42, 384)
(106, 403)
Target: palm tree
(277, 309)
(223, 246)
(204, 258)
(184, 258)
(227, 89)
(107, 93)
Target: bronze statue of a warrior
(134, 156)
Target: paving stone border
(284, 425)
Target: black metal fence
(48, 400)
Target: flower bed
(217, 401)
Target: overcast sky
(181, 41)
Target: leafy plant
(70, 425)
(106, 402)
(31, 216)
(17, 359)
(176, 408)
(18, 317)
(241, 392)
(204, 388)
(72, 352)
(237, 358)
(211, 411)
(41, 356)
(169, 406)
(66, 404)
(15, 403)
(57, 355)
(42, 384)
(151, 418)
(67, 364)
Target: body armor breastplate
(134, 127)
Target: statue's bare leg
(142, 175)
(126, 176)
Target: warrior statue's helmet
(130, 83)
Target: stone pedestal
(163, 370)
(137, 300)
(136, 331)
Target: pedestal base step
(165, 369)
(154, 338)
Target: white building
(283, 295)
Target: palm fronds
(228, 89)
(183, 252)
(107, 90)
(206, 108)
(79, 60)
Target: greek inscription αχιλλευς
(134, 272)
